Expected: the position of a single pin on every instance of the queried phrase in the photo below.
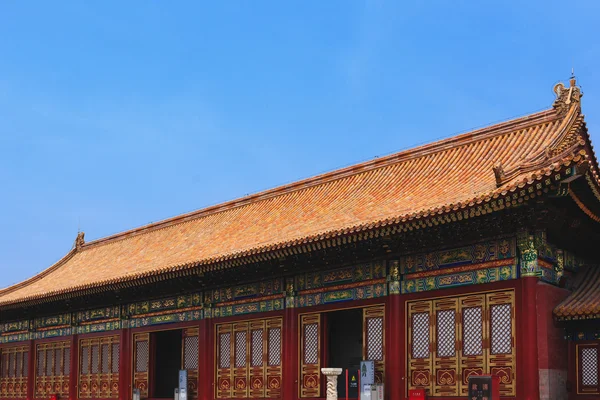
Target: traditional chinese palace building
(473, 255)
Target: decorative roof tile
(584, 302)
(435, 179)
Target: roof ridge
(497, 129)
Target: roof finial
(573, 81)
(80, 240)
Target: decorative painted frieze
(491, 250)
(494, 271)
(249, 291)
(323, 279)
(357, 291)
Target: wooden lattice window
(53, 368)
(442, 363)
(310, 351)
(588, 376)
(374, 339)
(99, 368)
(190, 359)
(248, 355)
(141, 361)
(14, 364)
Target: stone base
(553, 384)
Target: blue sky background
(116, 114)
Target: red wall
(553, 352)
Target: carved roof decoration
(79, 241)
(460, 177)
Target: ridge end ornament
(499, 173)
(79, 241)
(566, 96)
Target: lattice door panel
(224, 338)
(257, 350)
(587, 368)
(445, 352)
(53, 369)
(98, 377)
(473, 360)
(501, 348)
(240, 359)
(141, 363)
(248, 358)
(420, 359)
(190, 359)
(310, 355)
(374, 339)
(273, 362)
(13, 377)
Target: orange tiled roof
(584, 302)
(442, 177)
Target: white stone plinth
(332, 377)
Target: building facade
(473, 255)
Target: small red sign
(416, 394)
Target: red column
(74, 372)
(290, 354)
(125, 376)
(206, 373)
(31, 370)
(395, 382)
(529, 374)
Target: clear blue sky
(114, 114)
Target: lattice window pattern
(420, 335)
(40, 362)
(58, 356)
(115, 358)
(95, 358)
(142, 353)
(501, 329)
(190, 352)
(3, 366)
(85, 360)
(49, 362)
(225, 350)
(11, 365)
(274, 346)
(446, 333)
(311, 343)
(589, 366)
(105, 356)
(375, 339)
(257, 348)
(25, 363)
(19, 366)
(52, 376)
(240, 349)
(472, 331)
(13, 373)
(67, 361)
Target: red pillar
(529, 374)
(125, 376)
(31, 370)
(290, 354)
(74, 372)
(206, 373)
(395, 382)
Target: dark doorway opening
(167, 362)
(344, 337)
